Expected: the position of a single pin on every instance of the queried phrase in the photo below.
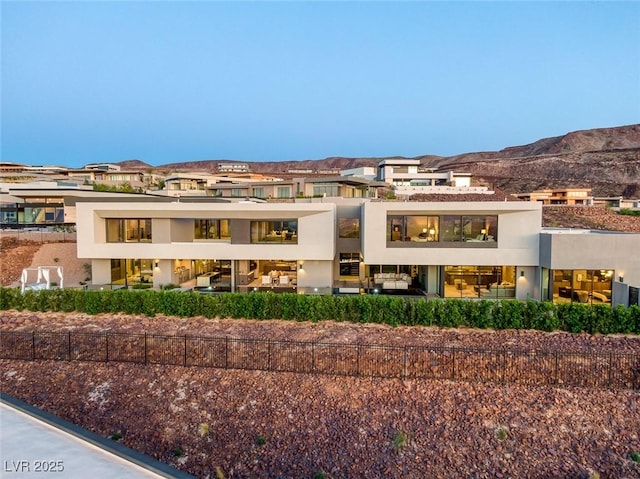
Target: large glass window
(349, 228)
(132, 272)
(284, 192)
(422, 228)
(484, 282)
(326, 190)
(9, 214)
(582, 285)
(121, 230)
(212, 229)
(276, 231)
(395, 228)
(416, 228)
(469, 228)
(259, 192)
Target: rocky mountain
(134, 165)
(604, 159)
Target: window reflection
(278, 231)
(582, 286)
(447, 228)
(121, 230)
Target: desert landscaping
(258, 424)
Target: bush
(392, 310)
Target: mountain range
(604, 159)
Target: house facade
(559, 196)
(474, 250)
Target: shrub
(501, 433)
(392, 310)
(400, 440)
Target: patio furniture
(392, 280)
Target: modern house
(45, 204)
(485, 250)
(328, 186)
(406, 177)
(559, 196)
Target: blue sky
(164, 82)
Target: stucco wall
(594, 250)
(315, 274)
(519, 225)
(316, 231)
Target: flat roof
(582, 231)
(34, 442)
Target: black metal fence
(612, 370)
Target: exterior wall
(163, 274)
(527, 284)
(316, 231)
(315, 274)
(593, 250)
(519, 225)
(100, 271)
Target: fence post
(358, 360)
(453, 364)
(145, 347)
(69, 346)
(106, 337)
(185, 349)
(609, 373)
(33, 346)
(504, 366)
(268, 354)
(556, 372)
(226, 352)
(313, 357)
(403, 374)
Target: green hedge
(393, 310)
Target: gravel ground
(17, 254)
(258, 424)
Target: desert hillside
(604, 159)
(16, 254)
(258, 424)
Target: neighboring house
(103, 166)
(617, 202)
(233, 167)
(367, 172)
(406, 178)
(474, 250)
(50, 204)
(341, 186)
(327, 186)
(283, 189)
(10, 167)
(180, 184)
(559, 196)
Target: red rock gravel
(589, 217)
(342, 426)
